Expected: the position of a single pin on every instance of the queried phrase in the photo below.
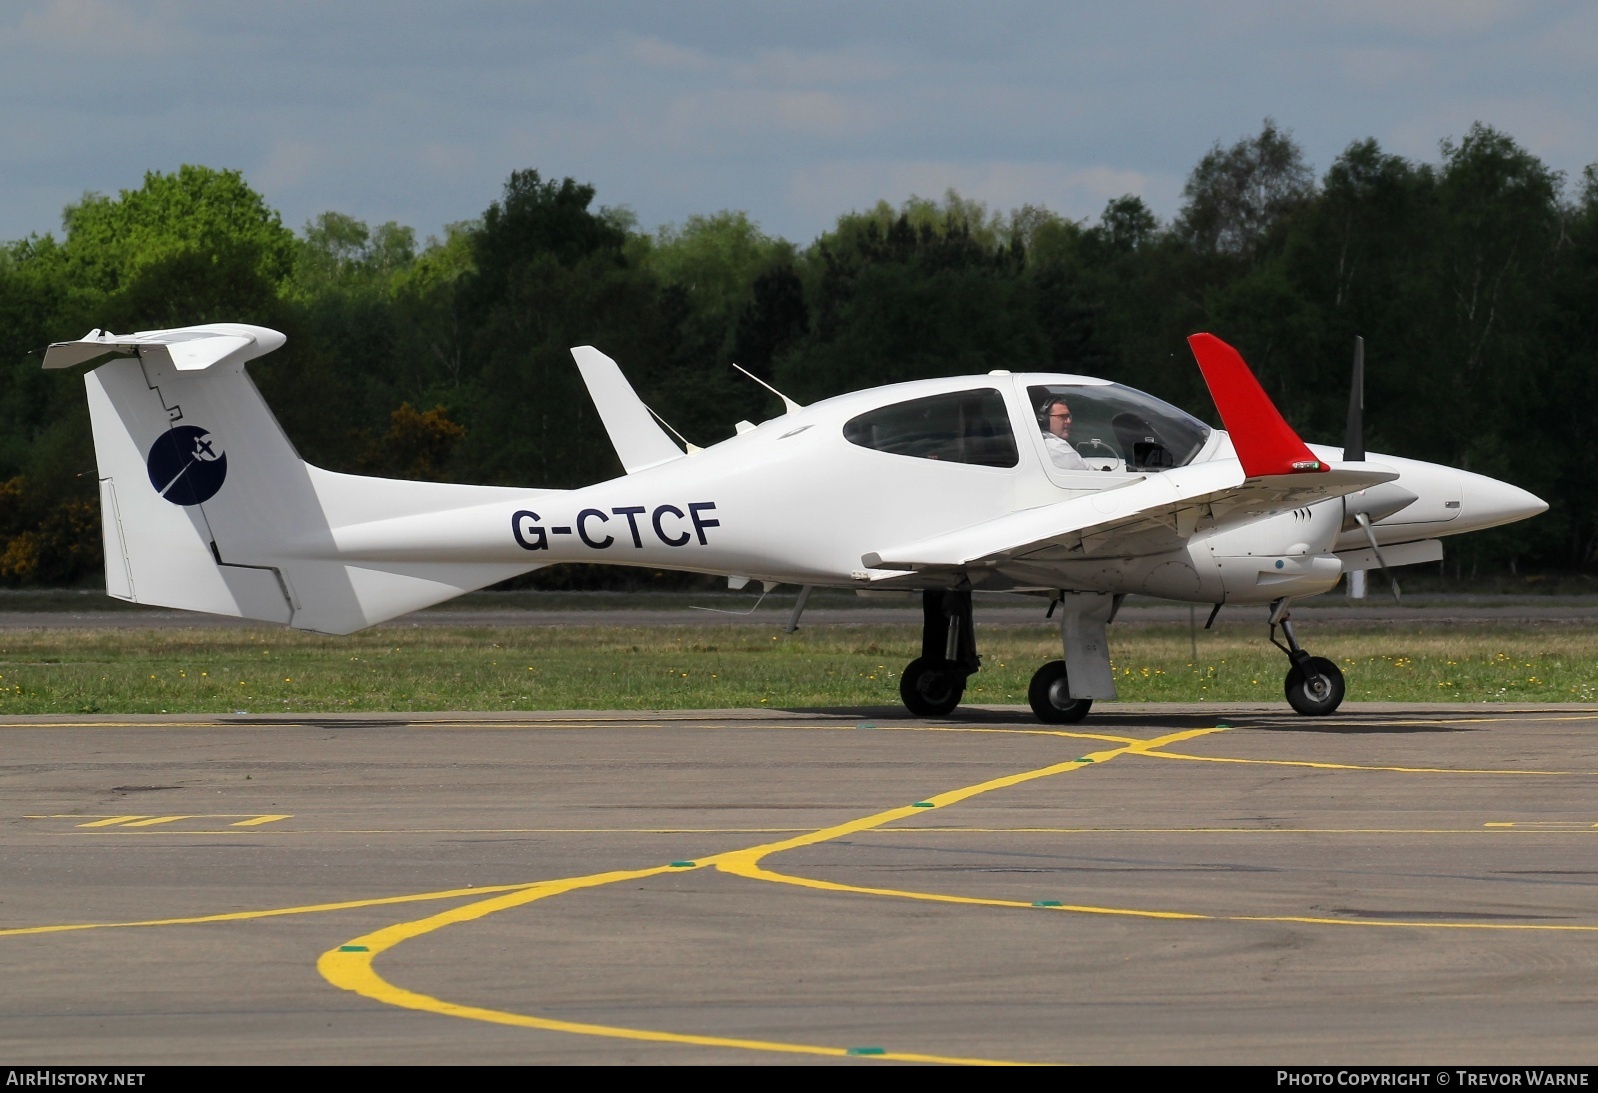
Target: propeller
(1354, 452)
(1354, 438)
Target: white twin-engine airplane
(1067, 487)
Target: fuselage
(805, 497)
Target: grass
(116, 670)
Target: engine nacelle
(1287, 555)
(1260, 579)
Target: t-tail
(206, 505)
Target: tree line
(1473, 280)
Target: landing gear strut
(934, 682)
(1314, 684)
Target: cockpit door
(1092, 439)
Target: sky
(417, 112)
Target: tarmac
(833, 609)
(1412, 884)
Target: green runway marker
(865, 725)
(1222, 725)
(683, 864)
(868, 1051)
(1047, 903)
(922, 804)
(1085, 759)
(353, 949)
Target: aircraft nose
(1489, 502)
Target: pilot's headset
(1045, 406)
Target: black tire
(931, 688)
(1315, 687)
(1050, 696)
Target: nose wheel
(1050, 696)
(1314, 685)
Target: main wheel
(1050, 695)
(1315, 687)
(931, 688)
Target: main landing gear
(1314, 684)
(934, 682)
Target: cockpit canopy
(1111, 424)
(1112, 427)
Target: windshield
(1112, 427)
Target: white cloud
(657, 53)
(1381, 68)
(1429, 18)
(287, 164)
(843, 67)
(411, 109)
(97, 29)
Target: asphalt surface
(1391, 885)
(775, 612)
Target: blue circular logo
(187, 465)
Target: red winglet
(1265, 444)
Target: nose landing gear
(1314, 684)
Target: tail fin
(207, 506)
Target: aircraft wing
(1150, 515)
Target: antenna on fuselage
(791, 406)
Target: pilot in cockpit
(1055, 417)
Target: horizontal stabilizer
(639, 440)
(186, 349)
(1264, 442)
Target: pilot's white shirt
(1063, 454)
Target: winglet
(1264, 442)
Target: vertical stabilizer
(206, 506)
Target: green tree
(922, 297)
(1237, 195)
(548, 274)
(110, 241)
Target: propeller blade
(1354, 438)
(1365, 523)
